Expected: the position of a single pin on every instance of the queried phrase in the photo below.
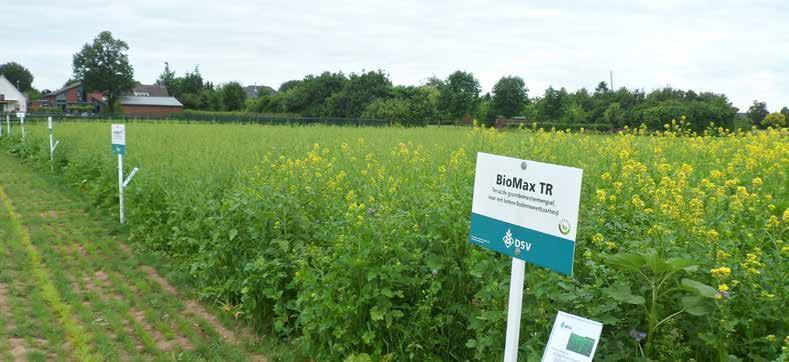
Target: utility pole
(611, 77)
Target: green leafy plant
(659, 284)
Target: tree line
(458, 98)
(103, 65)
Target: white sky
(740, 48)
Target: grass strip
(78, 337)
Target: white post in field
(119, 148)
(52, 145)
(514, 310)
(120, 187)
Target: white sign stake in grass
(21, 117)
(527, 210)
(119, 148)
(52, 145)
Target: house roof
(61, 90)
(153, 90)
(6, 86)
(150, 101)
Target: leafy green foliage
(233, 96)
(459, 95)
(509, 96)
(775, 120)
(756, 112)
(352, 242)
(103, 66)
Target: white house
(11, 99)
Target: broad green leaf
(233, 234)
(656, 263)
(698, 287)
(695, 305)
(633, 262)
(677, 264)
(621, 292)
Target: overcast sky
(740, 48)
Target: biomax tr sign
(527, 210)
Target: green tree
(233, 96)
(104, 66)
(509, 96)
(757, 112)
(358, 92)
(460, 95)
(775, 120)
(614, 115)
(18, 75)
(167, 79)
(288, 85)
(601, 88)
(785, 112)
(551, 107)
(308, 97)
(190, 83)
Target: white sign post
(8, 123)
(22, 123)
(527, 210)
(52, 145)
(573, 339)
(119, 148)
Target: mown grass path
(71, 290)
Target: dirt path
(70, 291)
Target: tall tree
(18, 75)
(358, 92)
(460, 95)
(167, 78)
(757, 112)
(104, 66)
(509, 96)
(288, 85)
(785, 112)
(601, 88)
(233, 96)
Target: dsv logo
(509, 241)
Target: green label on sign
(119, 149)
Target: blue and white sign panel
(527, 210)
(119, 139)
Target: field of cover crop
(351, 243)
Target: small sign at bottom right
(573, 338)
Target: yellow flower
(773, 222)
(601, 196)
(597, 238)
(723, 288)
(770, 338)
(756, 182)
(721, 272)
(723, 255)
(637, 202)
(712, 235)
